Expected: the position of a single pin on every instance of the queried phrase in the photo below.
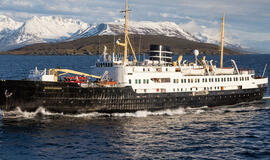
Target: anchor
(7, 94)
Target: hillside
(94, 45)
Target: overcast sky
(247, 21)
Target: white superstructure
(159, 74)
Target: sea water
(238, 131)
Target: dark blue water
(240, 131)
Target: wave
(169, 112)
(268, 97)
(18, 113)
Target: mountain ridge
(94, 46)
(52, 29)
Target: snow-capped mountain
(7, 25)
(42, 29)
(47, 29)
(169, 29)
(214, 38)
(212, 35)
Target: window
(129, 81)
(161, 80)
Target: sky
(247, 21)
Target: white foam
(268, 97)
(169, 112)
(18, 113)
(86, 115)
(199, 111)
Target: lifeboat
(222, 71)
(107, 83)
(193, 71)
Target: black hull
(72, 99)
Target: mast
(127, 40)
(222, 42)
(126, 33)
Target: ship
(119, 83)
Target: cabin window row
(205, 80)
(157, 69)
(196, 89)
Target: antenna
(114, 43)
(140, 41)
(98, 44)
(105, 53)
(264, 70)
